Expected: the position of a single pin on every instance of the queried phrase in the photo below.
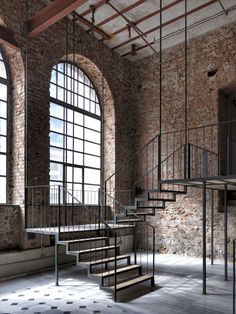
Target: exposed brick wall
(10, 227)
(179, 227)
(44, 51)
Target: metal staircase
(115, 240)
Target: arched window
(75, 132)
(3, 128)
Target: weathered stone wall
(179, 226)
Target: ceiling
(132, 27)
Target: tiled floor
(178, 291)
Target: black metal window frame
(6, 82)
(92, 110)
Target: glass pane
(69, 143)
(3, 127)
(91, 194)
(60, 79)
(69, 157)
(92, 107)
(3, 144)
(78, 131)
(69, 174)
(81, 89)
(56, 154)
(93, 149)
(81, 76)
(3, 109)
(78, 192)
(60, 67)
(70, 129)
(92, 95)
(56, 125)
(56, 171)
(86, 105)
(91, 176)
(56, 139)
(54, 77)
(3, 92)
(92, 123)
(98, 112)
(3, 72)
(81, 102)
(78, 175)
(56, 110)
(78, 145)
(3, 165)
(3, 187)
(70, 115)
(87, 91)
(79, 118)
(86, 80)
(92, 161)
(53, 91)
(78, 159)
(92, 136)
(60, 93)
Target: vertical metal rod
(153, 261)
(212, 227)
(160, 73)
(115, 279)
(135, 245)
(204, 238)
(186, 85)
(59, 211)
(234, 276)
(225, 232)
(26, 93)
(56, 262)
(26, 207)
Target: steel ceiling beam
(132, 24)
(52, 14)
(125, 10)
(7, 38)
(92, 27)
(166, 23)
(96, 6)
(146, 17)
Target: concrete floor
(178, 291)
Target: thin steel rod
(225, 232)
(185, 85)
(56, 262)
(234, 276)
(223, 8)
(26, 93)
(160, 70)
(204, 238)
(212, 227)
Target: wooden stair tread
(103, 248)
(123, 269)
(130, 282)
(143, 213)
(104, 260)
(83, 240)
(128, 220)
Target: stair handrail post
(105, 200)
(115, 277)
(153, 252)
(135, 244)
(59, 211)
(234, 276)
(185, 160)
(99, 209)
(189, 161)
(159, 162)
(26, 207)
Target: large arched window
(75, 132)
(3, 128)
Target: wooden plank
(104, 260)
(7, 38)
(131, 282)
(51, 14)
(118, 271)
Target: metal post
(26, 208)
(189, 161)
(204, 238)
(59, 211)
(115, 277)
(56, 262)
(225, 232)
(159, 164)
(234, 276)
(212, 227)
(105, 201)
(99, 210)
(153, 262)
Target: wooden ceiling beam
(7, 38)
(51, 14)
(166, 23)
